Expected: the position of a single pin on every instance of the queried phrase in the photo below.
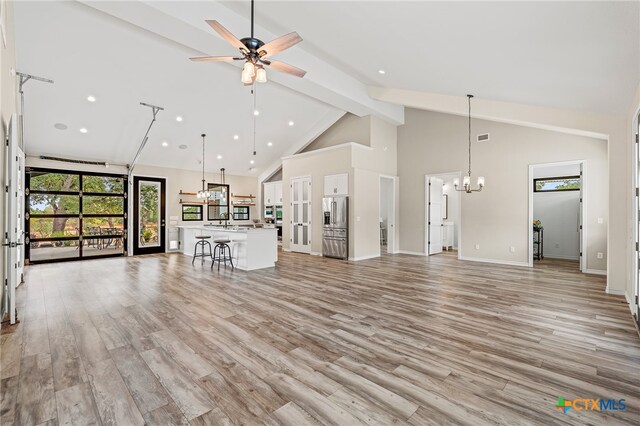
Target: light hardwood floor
(395, 340)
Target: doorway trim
(583, 207)
(455, 175)
(394, 204)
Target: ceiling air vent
(483, 137)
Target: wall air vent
(483, 137)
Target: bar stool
(222, 253)
(202, 243)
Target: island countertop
(251, 248)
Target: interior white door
(583, 260)
(434, 206)
(12, 239)
(301, 215)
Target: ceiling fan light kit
(255, 53)
(466, 180)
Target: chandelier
(466, 181)
(203, 193)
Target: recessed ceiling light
(383, 72)
(269, 143)
(165, 143)
(291, 123)
(91, 98)
(256, 112)
(179, 119)
(236, 137)
(60, 126)
(83, 130)
(252, 162)
(183, 147)
(219, 157)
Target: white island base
(251, 248)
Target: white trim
(322, 150)
(314, 253)
(583, 191)
(458, 175)
(561, 257)
(631, 305)
(286, 250)
(356, 259)
(413, 253)
(495, 261)
(600, 272)
(393, 249)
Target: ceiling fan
(255, 53)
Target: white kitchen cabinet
(447, 235)
(273, 193)
(278, 192)
(269, 194)
(336, 184)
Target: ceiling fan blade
(214, 59)
(280, 44)
(226, 34)
(289, 69)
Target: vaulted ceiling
(576, 55)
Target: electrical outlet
(512, 249)
(600, 221)
(477, 246)
(600, 255)
(357, 218)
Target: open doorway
(442, 214)
(387, 214)
(556, 215)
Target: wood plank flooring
(395, 340)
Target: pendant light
(466, 181)
(203, 193)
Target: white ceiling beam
(183, 23)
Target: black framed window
(191, 212)
(218, 207)
(241, 213)
(73, 215)
(557, 184)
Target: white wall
(558, 212)
(432, 143)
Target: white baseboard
(315, 253)
(559, 256)
(286, 249)
(495, 261)
(615, 291)
(414, 253)
(372, 256)
(598, 272)
(629, 299)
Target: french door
(13, 243)
(301, 215)
(434, 216)
(149, 215)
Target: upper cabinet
(272, 193)
(336, 184)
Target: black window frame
(200, 208)
(245, 211)
(81, 237)
(211, 186)
(536, 180)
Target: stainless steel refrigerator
(335, 221)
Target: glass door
(72, 215)
(149, 215)
(301, 215)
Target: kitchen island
(251, 248)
